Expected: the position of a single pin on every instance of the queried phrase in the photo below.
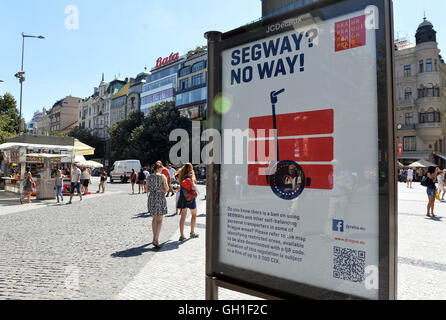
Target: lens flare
(222, 104)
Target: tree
(9, 117)
(120, 134)
(154, 137)
(86, 136)
(147, 139)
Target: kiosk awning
(83, 149)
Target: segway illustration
(286, 177)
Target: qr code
(349, 264)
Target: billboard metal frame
(270, 287)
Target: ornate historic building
(421, 97)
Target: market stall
(43, 159)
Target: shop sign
(161, 62)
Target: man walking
(75, 182)
(146, 185)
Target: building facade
(31, 126)
(421, 97)
(94, 111)
(118, 110)
(42, 124)
(63, 114)
(161, 84)
(191, 93)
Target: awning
(422, 164)
(83, 149)
(15, 145)
(46, 155)
(415, 155)
(441, 156)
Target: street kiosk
(43, 155)
(310, 212)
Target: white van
(121, 170)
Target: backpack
(424, 181)
(186, 190)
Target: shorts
(431, 192)
(86, 183)
(75, 186)
(183, 204)
(133, 181)
(140, 182)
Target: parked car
(121, 170)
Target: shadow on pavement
(143, 215)
(133, 252)
(437, 219)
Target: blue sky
(120, 38)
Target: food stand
(44, 156)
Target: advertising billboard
(302, 203)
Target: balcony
(406, 102)
(429, 100)
(430, 131)
(405, 127)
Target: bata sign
(161, 62)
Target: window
(430, 117)
(407, 70)
(161, 83)
(421, 66)
(410, 143)
(429, 65)
(430, 90)
(190, 97)
(184, 84)
(198, 66)
(197, 80)
(407, 94)
(185, 71)
(409, 118)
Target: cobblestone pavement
(101, 249)
(421, 247)
(89, 250)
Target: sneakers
(194, 235)
(69, 202)
(182, 239)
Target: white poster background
(346, 82)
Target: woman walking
(58, 183)
(188, 183)
(156, 201)
(103, 179)
(133, 178)
(431, 178)
(27, 186)
(141, 179)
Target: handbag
(437, 195)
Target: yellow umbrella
(86, 150)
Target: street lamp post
(20, 75)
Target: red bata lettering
(161, 62)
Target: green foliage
(147, 139)
(86, 136)
(196, 50)
(9, 117)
